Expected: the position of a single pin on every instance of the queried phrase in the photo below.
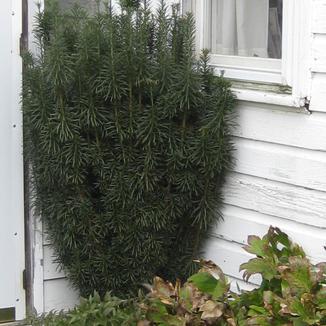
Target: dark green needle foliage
(128, 135)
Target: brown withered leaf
(211, 310)
(177, 288)
(195, 299)
(143, 306)
(210, 267)
(231, 322)
(162, 290)
(192, 319)
(282, 268)
(181, 310)
(162, 287)
(268, 297)
(144, 323)
(285, 310)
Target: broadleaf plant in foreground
(292, 293)
(128, 137)
(295, 295)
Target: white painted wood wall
(279, 179)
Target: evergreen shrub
(128, 135)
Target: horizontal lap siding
(291, 165)
(279, 179)
(270, 124)
(280, 175)
(310, 237)
(278, 199)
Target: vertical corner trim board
(12, 251)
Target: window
(246, 28)
(258, 42)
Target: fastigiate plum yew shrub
(128, 136)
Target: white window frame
(291, 73)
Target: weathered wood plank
(248, 222)
(292, 165)
(319, 53)
(318, 93)
(277, 199)
(266, 123)
(59, 295)
(319, 17)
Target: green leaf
(205, 282)
(298, 274)
(220, 290)
(321, 299)
(208, 284)
(297, 322)
(258, 321)
(258, 247)
(254, 310)
(266, 268)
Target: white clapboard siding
(291, 165)
(318, 93)
(267, 123)
(319, 53)
(319, 17)
(278, 199)
(258, 224)
(58, 295)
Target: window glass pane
(247, 27)
(242, 27)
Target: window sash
(248, 68)
(292, 70)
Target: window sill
(278, 95)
